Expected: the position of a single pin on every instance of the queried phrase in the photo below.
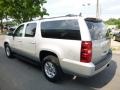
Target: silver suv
(70, 44)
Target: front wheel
(8, 51)
(51, 68)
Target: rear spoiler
(93, 20)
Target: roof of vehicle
(69, 16)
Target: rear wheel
(8, 51)
(51, 68)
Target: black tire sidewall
(57, 68)
(7, 46)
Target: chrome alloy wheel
(50, 69)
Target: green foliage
(2, 14)
(22, 10)
(10, 23)
(113, 21)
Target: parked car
(12, 28)
(70, 44)
(117, 37)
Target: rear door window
(97, 30)
(61, 29)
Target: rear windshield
(97, 30)
(61, 29)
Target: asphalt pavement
(16, 74)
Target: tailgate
(100, 49)
(99, 37)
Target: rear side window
(97, 29)
(61, 29)
(30, 30)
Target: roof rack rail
(69, 15)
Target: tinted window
(97, 30)
(62, 29)
(19, 31)
(30, 30)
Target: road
(115, 45)
(16, 74)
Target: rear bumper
(85, 69)
(104, 61)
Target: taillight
(86, 51)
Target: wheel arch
(45, 53)
(5, 43)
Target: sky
(108, 8)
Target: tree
(1, 18)
(118, 24)
(2, 14)
(26, 10)
(113, 21)
(21, 10)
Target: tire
(51, 68)
(8, 51)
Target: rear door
(100, 39)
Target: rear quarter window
(61, 29)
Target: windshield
(97, 30)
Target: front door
(17, 38)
